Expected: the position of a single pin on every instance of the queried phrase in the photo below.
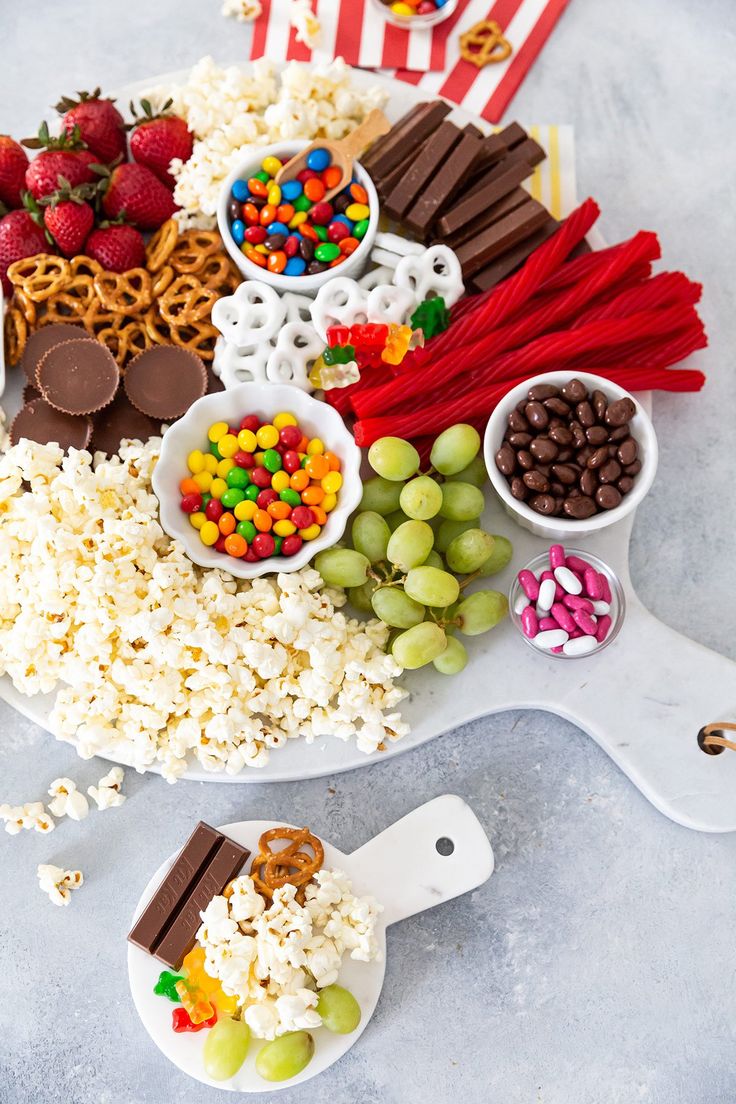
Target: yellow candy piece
(218, 488)
(399, 8)
(311, 532)
(298, 219)
(259, 458)
(331, 483)
(225, 466)
(228, 445)
(210, 463)
(195, 462)
(284, 528)
(284, 419)
(247, 440)
(280, 481)
(203, 480)
(198, 519)
(315, 447)
(329, 502)
(274, 195)
(209, 533)
(267, 436)
(260, 248)
(217, 431)
(245, 510)
(358, 211)
(271, 165)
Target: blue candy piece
(277, 228)
(241, 191)
(295, 266)
(441, 3)
(318, 160)
(291, 190)
(237, 229)
(344, 219)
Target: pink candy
(565, 622)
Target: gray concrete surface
(597, 966)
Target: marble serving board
(643, 700)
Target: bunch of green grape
(417, 543)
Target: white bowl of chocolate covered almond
(569, 455)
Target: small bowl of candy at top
(290, 237)
(257, 479)
(570, 454)
(413, 14)
(567, 603)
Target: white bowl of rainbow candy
(567, 604)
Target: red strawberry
(69, 218)
(20, 236)
(13, 165)
(134, 191)
(63, 156)
(100, 124)
(116, 246)
(158, 139)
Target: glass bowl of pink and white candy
(567, 603)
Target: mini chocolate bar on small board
(168, 925)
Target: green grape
(475, 473)
(469, 551)
(397, 609)
(360, 596)
(447, 532)
(501, 555)
(453, 659)
(380, 495)
(435, 560)
(461, 501)
(397, 518)
(455, 448)
(432, 587)
(286, 1056)
(393, 458)
(225, 1048)
(410, 544)
(339, 1009)
(370, 535)
(479, 612)
(419, 645)
(342, 567)
(421, 498)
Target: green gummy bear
(166, 986)
(431, 317)
(339, 354)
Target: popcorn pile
(272, 958)
(158, 659)
(229, 110)
(58, 883)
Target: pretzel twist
(39, 276)
(162, 245)
(289, 865)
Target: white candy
(521, 603)
(298, 307)
(580, 645)
(601, 608)
(387, 303)
(297, 348)
(250, 316)
(398, 246)
(567, 580)
(547, 590)
(340, 302)
(235, 366)
(376, 276)
(551, 638)
(436, 272)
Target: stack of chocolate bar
(452, 184)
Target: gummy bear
(397, 345)
(198, 978)
(339, 354)
(326, 376)
(181, 1021)
(166, 985)
(431, 316)
(195, 1002)
(369, 335)
(338, 335)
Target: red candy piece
(261, 477)
(180, 1020)
(220, 544)
(191, 503)
(291, 545)
(307, 174)
(290, 436)
(244, 459)
(338, 335)
(336, 231)
(266, 497)
(214, 510)
(370, 335)
(263, 545)
(321, 214)
(291, 246)
(251, 557)
(427, 7)
(302, 517)
(291, 461)
(256, 235)
(251, 422)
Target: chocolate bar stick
(501, 236)
(419, 173)
(448, 178)
(509, 203)
(508, 262)
(471, 207)
(400, 143)
(527, 153)
(512, 135)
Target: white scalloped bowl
(316, 418)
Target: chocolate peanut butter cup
(44, 339)
(41, 422)
(78, 377)
(121, 421)
(164, 381)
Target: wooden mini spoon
(343, 153)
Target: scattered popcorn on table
(275, 959)
(306, 24)
(229, 110)
(106, 794)
(33, 815)
(155, 660)
(58, 883)
(245, 11)
(67, 799)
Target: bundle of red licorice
(603, 312)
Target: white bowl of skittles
(257, 479)
(298, 243)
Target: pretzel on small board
(289, 865)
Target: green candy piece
(262, 176)
(339, 354)
(361, 229)
(205, 499)
(292, 497)
(237, 477)
(431, 317)
(215, 450)
(247, 530)
(232, 497)
(166, 986)
(253, 492)
(321, 232)
(328, 251)
(272, 460)
(277, 542)
(302, 203)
